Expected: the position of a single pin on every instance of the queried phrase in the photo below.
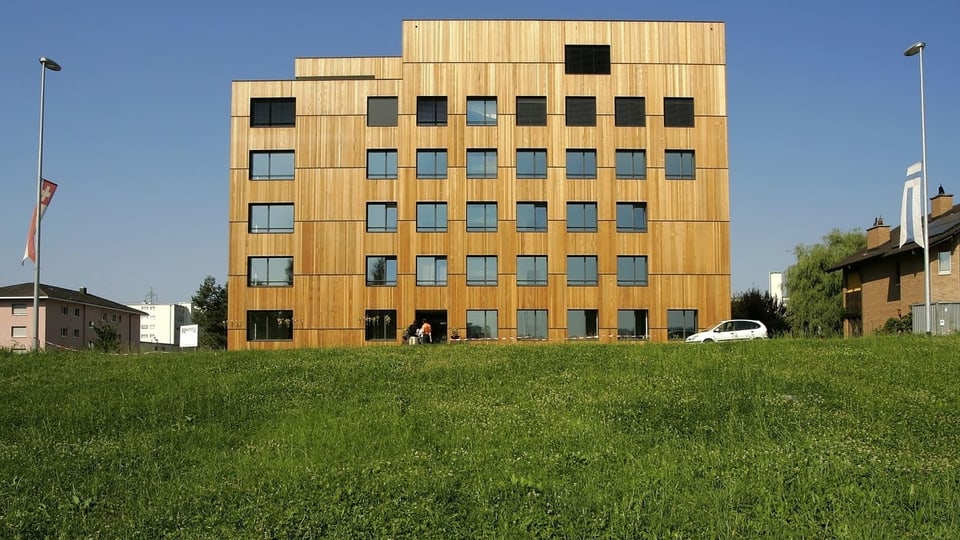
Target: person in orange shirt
(426, 331)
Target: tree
(210, 314)
(762, 307)
(107, 339)
(815, 307)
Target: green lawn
(782, 438)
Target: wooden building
(502, 179)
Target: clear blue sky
(824, 118)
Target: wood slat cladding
(519, 66)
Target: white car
(731, 330)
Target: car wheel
(708, 340)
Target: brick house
(885, 280)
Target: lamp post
(915, 49)
(45, 64)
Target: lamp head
(49, 63)
(915, 48)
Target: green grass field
(782, 438)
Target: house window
(482, 163)
(632, 324)
(481, 324)
(630, 111)
(631, 217)
(681, 323)
(382, 217)
(431, 271)
(382, 271)
(269, 325)
(532, 163)
(582, 323)
(64, 331)
(432, 217)
(65, 311)
(273, 112)
(381, 111)
(113, 318)
(481, 270)
(532, 217)
(631, 270)
(273, 165)
(581, 270)
(531, 110)
(531, 324)
(581, 111)
(76, 312)
(270, 271)
(587, 59)
(680, 165)
(481, 111)
(431, 164)
(532, 270)
(18, 331)
(76, 332)
(381, 164)
(582, 217)
(380, 324)
(944, 263)
(270, 218)
(481, 217)
(581, 163)
(632, 164)
(19, 309)
(431, 111)
(678, 112)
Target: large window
(273, 112)
(532, 163)
(431, 270)
(481, 270)
(681, 323)
(431, 163)
(532, 217)
(270, 218)
(481, 217)
(269, 325)
(581, 111)
(382, 111)
(632, 270)
(481, 324)
(587, 59)
(531, 324)
(944, 263)
(632, 164)
(532, 270)
(630, 111)
(680, 165)
(481, 111)
(382, 271)
(581, 163)
(270, 271)
(678, 112)
(632, 324)
(582, 217)
(271, 165)
(381, 164)
(432, 217)
(631, 217)
(581, 270)
(382, 217)
(431, 111)
(531, 111)
(380, 324)
(582, 323)
(482, 163)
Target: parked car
(731, 330)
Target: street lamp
(45, 64)
(915, 49)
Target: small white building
(778, 287)
(162, 322)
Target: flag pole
(45, 64)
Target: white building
(778, 287)
(162, 322)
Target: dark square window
(631, 217)
(531, 270)
(581, 269)
(270, 218)
(270, 271)
(481, 111)
(482, 163)
(481, 270)
(581, 111)
(587, 59)
(381, 164)
(632, 324)
(481, 217)
(531, 111)
(381, 111)
(431, 163)
(382, 217)
(678, 112)
(431, 111)
(431, 271)
(532, 324)
(581, 163)
(382, 271)
(272, 325)
(632, 270)
(380, 324)
(273, 112)
(531, 163)
(582, 217)
(432, 217)
(532, 216)
(271, 165)
(630, 111)
(582, 323)
(631, 164)
(680, 165)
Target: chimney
(878, 235)
(83, 290)
(940, 204)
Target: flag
(46, 193)
(912, 183)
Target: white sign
(188, 335)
